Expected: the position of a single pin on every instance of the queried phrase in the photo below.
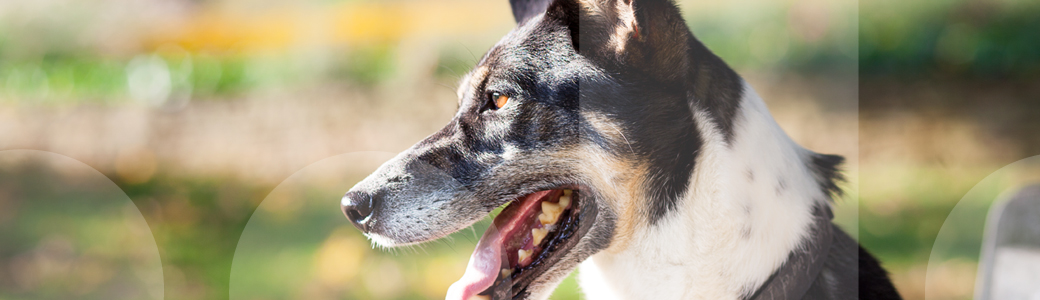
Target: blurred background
(235, 126)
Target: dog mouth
(524, 241)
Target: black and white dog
(621, 144)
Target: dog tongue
(490, 256)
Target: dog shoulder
(851, 272)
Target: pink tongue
(488, 259)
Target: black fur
(663, 75)
(848, 271)
(851, 273)
(825, 169)
(717, 88)
(659, 128)
(803, 265)
(545, 114)
(873, 279)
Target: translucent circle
(298, 244)
(953, 262)
(68, 232)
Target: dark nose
(357, 206)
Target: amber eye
(499, 99)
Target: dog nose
(357, 206)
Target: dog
(618, 142)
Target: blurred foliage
(67, 232)
(899, 218)
(905, 38)
(196, 222)
(797, 36)
(367, 64)
(96, 79)
(220, 55)
(104, 80)
(972, 38)
(83, 77)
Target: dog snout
(358, 207)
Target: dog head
(580, 119)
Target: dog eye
(498, 99)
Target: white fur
(697, 251)
(382, 241)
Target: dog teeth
(565, 200)
(550, 212)
(507, 272)
(479, 297)
(538, 234)
(522, 255)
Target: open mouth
(530, 235)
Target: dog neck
(749, 205)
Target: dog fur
(692, 191)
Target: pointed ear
(525, 9)
(621, 22)
(644, 34)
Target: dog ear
(525, 9)
(658, 39)
(648, 35)
(568, 13)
